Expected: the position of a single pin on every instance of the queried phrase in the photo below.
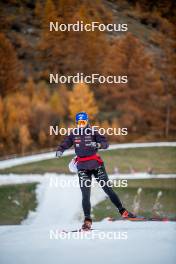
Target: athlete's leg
(85, 179)
(102, 178)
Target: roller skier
(87, 143)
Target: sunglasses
(82, 122)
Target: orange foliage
(82, 99)
(10, 70)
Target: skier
(90, 163)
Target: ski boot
(126, 214)
(87, 224)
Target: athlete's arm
(101, 141)
(65, 144)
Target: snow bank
(59, 195)
(6, 179)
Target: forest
(30, 52)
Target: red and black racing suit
(89, 163)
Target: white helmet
(73, 165)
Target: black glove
(95, 145)
(58, 154)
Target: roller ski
(87, 224)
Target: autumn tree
(38, 9)
(30, 88)
(91, 45)
(82, 99)
(60, 49)
(24, 138)
(42, 138)
(167, 68)
(2, 125)
(59, 101)
(51, 42)
(66, 8)
(136, 102)
(10, 69)
(17, 111)
(41, 94)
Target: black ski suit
(83, 148)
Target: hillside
(29, 53)
(23, 27)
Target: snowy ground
(6, 179)
(40, 240)
(149, 242)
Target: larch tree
(91, 45)
(82, 99)
(2, 123)
(59, 102)
(52, 43)
(24, 138)
(60, 48)
(42, 138)
(17, 109)
(10, 69)
(136, 103)
(29, 88)
(167, 67)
